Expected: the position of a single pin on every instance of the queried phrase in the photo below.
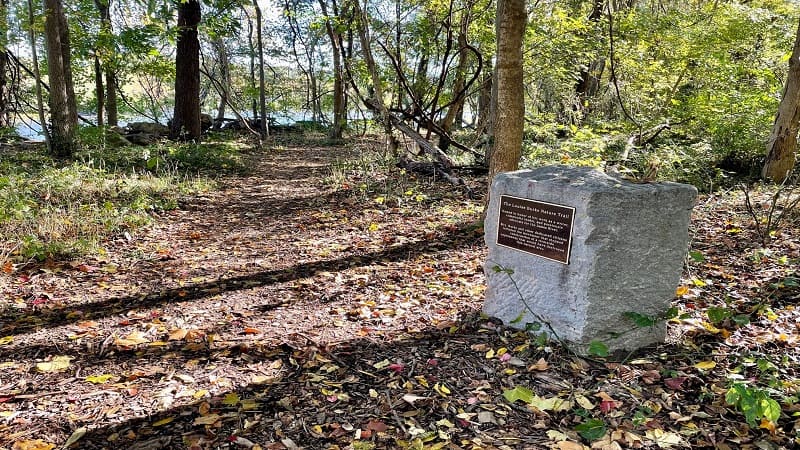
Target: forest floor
(307, 304)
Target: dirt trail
(271, 258)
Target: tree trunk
(63, 109)
(37, 77)
(186, 116)
(339, 112)
(262, 95)
(460, 80)
(110, 97)
(589, 83)
(5, 91)
(508, 104)
(99, 89)
(782, 144)
(225, 80)
(377, 102)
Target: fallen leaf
(664, 439)
(569, 445)
(705, 365)
(675, 383)
(540, 366)
(6, 340)
(209, 419)
(136, 337)
(376, 425)
(37, 444)
(231, 399)
(56, 364)
(411, 398)
(99, 379)
(177, 334)
(75, 436)
(163, 421)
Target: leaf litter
(288, 311)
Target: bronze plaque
(540, 228)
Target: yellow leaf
(99, 379)
(501, 351)
(57, 364)
(381, 364)
(373, 227)
(231, 399)
(441, 389)
(163, 421)
(705, 365)
(681, 291)
(698, 282)
(38, 444)
(200, 394)
(490, 354)
(6, 340)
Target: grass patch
(54, 209)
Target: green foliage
(519, 393)
(641, 320)
(753, 402)
(592, 429)
(597, 348)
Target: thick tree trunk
(508, 105)
(186, 117)
(782, 144)
(111, 99)
(63, 109)
(262, 95)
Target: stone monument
(577, 251)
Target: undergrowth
(54, 209)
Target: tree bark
(110, 95)
(186, 116)
(63, 109)
(224, 80)
(461, 76)
(99, 90)
(262, 95)
(508, 104)
(5, 91)
(339, 105)
(37, 77)
(782, 143)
